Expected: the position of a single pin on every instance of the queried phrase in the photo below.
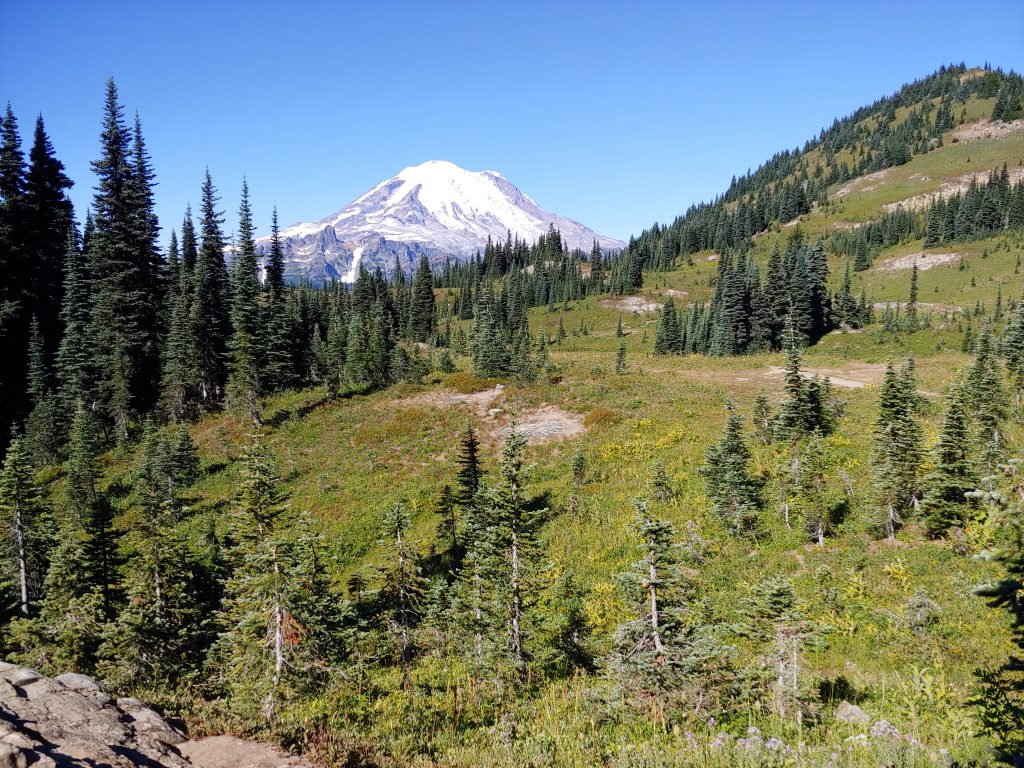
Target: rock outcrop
(70, 721)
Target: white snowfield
(435, 208)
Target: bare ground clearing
(924, 259)
(633, 304)
(492, 419)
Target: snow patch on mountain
(435, 209)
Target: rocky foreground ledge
(70, 721)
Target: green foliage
(897, 450)
(734, 491)
(26, 531)
(1001, 699)
(952, 477)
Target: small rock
(78, 682)
(149, 723)
(12, 757)
(499, 388)
(494, 411)
(21, 676)
(19, 740)
(851, 713)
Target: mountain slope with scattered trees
(786, 527)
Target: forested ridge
(250, 503)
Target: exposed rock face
(71, 722)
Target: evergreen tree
(257, 646)
(25, 527)
(513, 549)
(987, 400)
(43, 434)
(178, 382)
(664, 660)
(210, 303)
(662, 488)
(897, 450)
(806, 407)
(327, 623)
(48, 217)
(763, 421)
(160, 626)
(911, 322)
(847, 312)
(597, 268)
(1012, 346)
(1001, 696)
(423, 316)
(246, 344)
(274, 283)
(402, 591)
(278, 371)
(734, 492)
(74, 355)
(813, 489)
(123, 273)
(668, 338)
(16, 269)
(952, 476)
(569, 644)
(470, 473)
(620, 358)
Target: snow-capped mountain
(435, 208)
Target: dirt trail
(537, 425)
(231, 752)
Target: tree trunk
(403, 610)
(652, 589)
(277, 640)
(19, 536)
(517, 638)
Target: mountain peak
(436, 208)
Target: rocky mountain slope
(435, 208)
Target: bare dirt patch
(547, 423)
(949, 188)
(924, 260)
(492, 417)
(636, 305)
(927, 305)
(971, 74)
(854, 377)
(230, 752)
(987, 129)
(862, 183)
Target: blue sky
(616, 114)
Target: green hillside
(779, 630)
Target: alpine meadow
(448, 479)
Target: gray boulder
(70, 720)
(852, 714)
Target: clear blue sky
(616, 114)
